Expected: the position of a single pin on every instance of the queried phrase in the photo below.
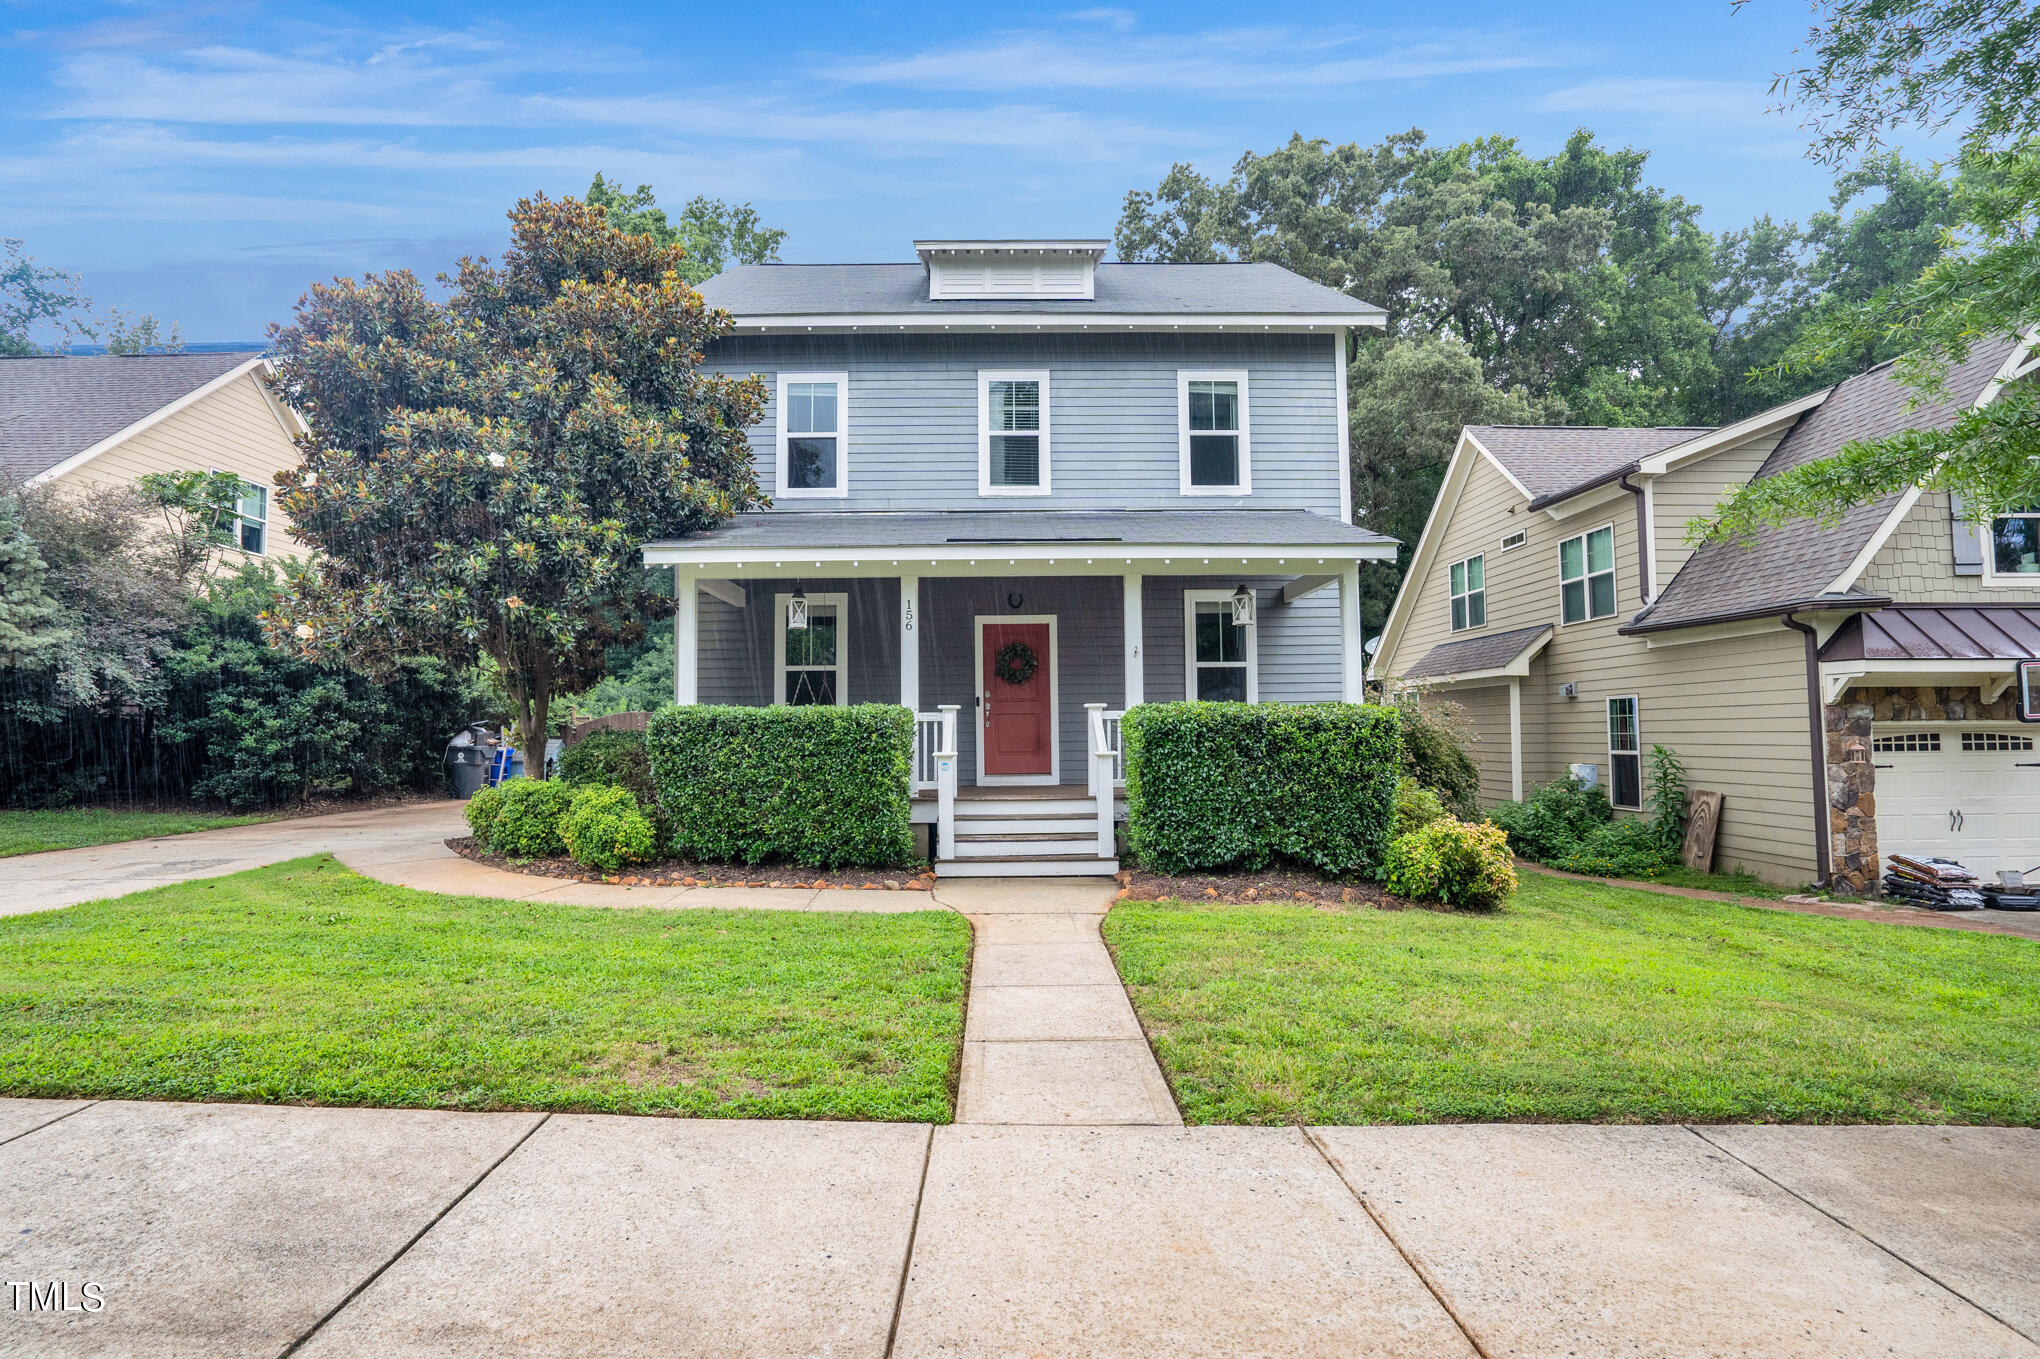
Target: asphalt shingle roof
(1491, 651)
(53, 407)
(763, 290)
(1554, 461)
(1215, 528)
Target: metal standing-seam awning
(1916, 645)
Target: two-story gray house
(1018, 490)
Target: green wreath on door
(1015, 663)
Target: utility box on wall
(1587, 775)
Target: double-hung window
(2014, 547)
(810, 664)
(1012, 433)
(251, 518)
(814, 435)
(1222, 665)
(1211, 414)
(1469, 595)
(1586, 576)
(1625, 754)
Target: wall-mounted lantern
(796, 611)
(1242, 607)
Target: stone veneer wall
(1853, 856)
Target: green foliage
(528, 824)
(1415, 807)
(199, 511)
(78, 827)
(714, 234)
(30, 621)
(29, 293)
(1433, 754)
(604, 829)
(483, 470)
(1627, 848)
(1451, 861)
(1555, 819)
(1667, 803)
(482, 811)
(813, 785)
(615, 759)
(1236, 785)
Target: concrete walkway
(226, 1230)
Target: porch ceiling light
(1242, 607)
(796, 611)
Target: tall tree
(714, 234)
(480, 472)
(30, 293)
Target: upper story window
(1012, 433)
(814, 435)
(1469, 594)
(1586, 575)
(251, 518)
(1212, 420)
(2014, 547)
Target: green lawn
(33, 832)
(304, 983)
(1580, 1002)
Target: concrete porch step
(1028, 866)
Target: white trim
(1507, 475)
(1614, 571)
(1304, 585)
(992, 559)
(1133, 631)
(781, 491)
(910, 642)
(1837, 676)
(154, 417)
(985, 378)
(240, 518)
(1352, 639)
(1592, 498)
(1648, 548)
(842, 665)
(1466, 594)
(686, 637)
(1191, 599)
(729, 592)
(1186, 376)
(1636, 724)
(1710, 632)
(1511, 541)
(1345, 427)
(1515, 738)
(1518, 668)
(1464, 454)
(1048, 321)
(1992, 578)
(1054, 775)
(1728, 436)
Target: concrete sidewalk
(224, 1230)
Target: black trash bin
(467, 760)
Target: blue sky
(205, 161)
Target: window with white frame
(1625, 754)
(1516, 539)
(1220, 653)
(814, 435)
(1586, 575)
(1012, 433)
(1469, 594)
(810, 665)
(1212, 421)
(2014, 546)
(251, 518)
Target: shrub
(814, 785)
(1455, 862)
(603, 828)
(1668, 803)
(616, 759)
(1620, 849)
(1415, 807)
(1434, 755)
(1554, 820)
(528, 827)
(482, 810)
(1236, 785)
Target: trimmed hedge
(528, 826)
(1240, 785)
(618, 759)
(811, 785)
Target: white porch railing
(1106, 769)
(933, 733)
(945, 777)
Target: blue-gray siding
(913, 416)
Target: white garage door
(1969, 793)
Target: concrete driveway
(225, 1230)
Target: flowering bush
(1454, 862)
(605, 829)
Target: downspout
(1816, 721)
(1642, 539)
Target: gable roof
(1551, 462)
(1478, 655)
(757, 293)
(54, 407)
(1796, 565)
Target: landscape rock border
(678, 873)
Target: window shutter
(1968, 546)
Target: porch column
(686, 636)
(1515, 739)
(910, 643)
(1353, 660)
(1136, 663)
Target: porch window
(1212, 417)
(1222, 666)
(813, 435)
(1013, 433)
(1625, 754)
(2015, 545)
(1586, 576)
(809, 663)
(1469, 595)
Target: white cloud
(1718, 101)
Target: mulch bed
(682, 873)
(1275, 884)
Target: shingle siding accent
(1916, 565)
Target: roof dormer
(960, 270)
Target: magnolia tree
(480, 472)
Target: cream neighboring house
(85, 421)
(1849, 689)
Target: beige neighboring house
(83, 421)
(1849, 689)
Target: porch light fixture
(796, 611)
(1242, 607)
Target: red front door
(1019, 719)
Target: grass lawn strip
(1579, 1002)
(305, 983)
(76, 828)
